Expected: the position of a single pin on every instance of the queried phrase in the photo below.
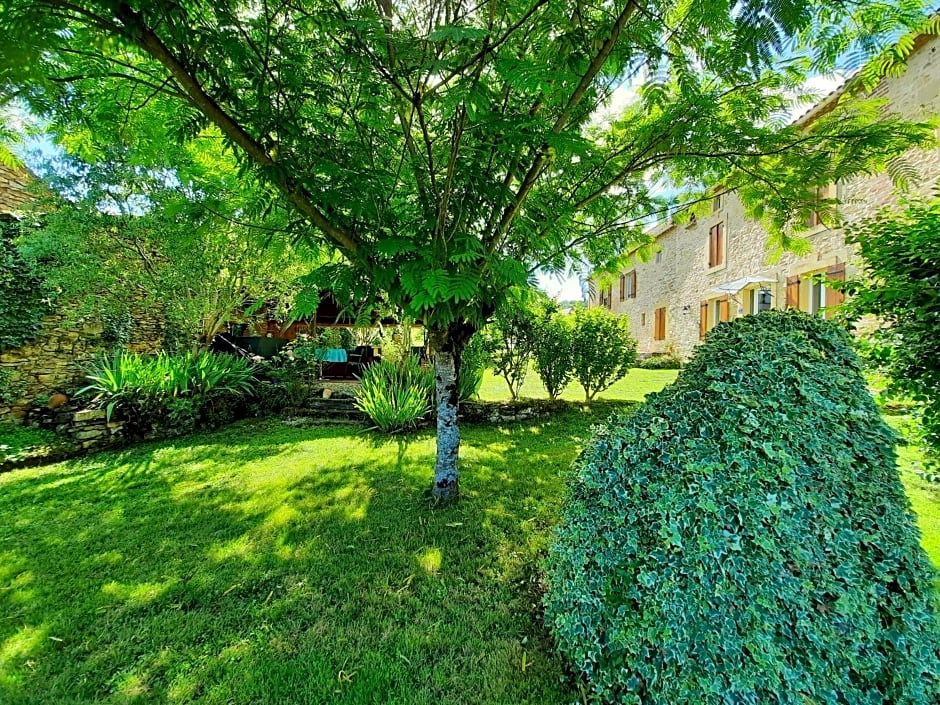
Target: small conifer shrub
(743, 537)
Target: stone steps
(334, 410)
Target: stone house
(716, 267)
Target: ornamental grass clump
(395, 395)
(744, 537)
(183, 390)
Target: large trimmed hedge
(743, 537)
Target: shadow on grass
(276, 564)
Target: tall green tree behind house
(447, 148)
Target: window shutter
(793, 292)
(633, 284)
(659, 331)
(725, 309)
(702, 320)
(835, 273)
(623, 287)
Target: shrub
(186, 390)
(660, 362)
(395, 396)
(553, 353)
(602, 350)
(744, 537)
(23, 293)
(472, 365)
(900, 253)
(511, 338)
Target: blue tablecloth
(331, 355)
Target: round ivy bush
(743, 537)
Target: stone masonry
(13, 189)
(679, 280)
(55, 361)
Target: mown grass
(17, 440)
(924, 496)
(634, 387)
(271, 564)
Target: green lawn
(636, 385)
(271, 564)
(924, 496)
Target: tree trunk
(447, 346)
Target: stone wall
(13, 189)
(679, 278)
(55, 361)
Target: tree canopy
(115, 235)
(448, 148)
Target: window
(716, 203)
(659, 257)
(605, 297)
(659, 330)
(823, 193)
(817, 296)
(761, 300)
(643, 319)
(716, 245)
(630, 284)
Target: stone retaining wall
(55, 361)
(88, 429)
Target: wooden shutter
(725, 309)
(702, 320)
(835, 273)
(659, 331)
(720, 244)
(623, 287)
(793, 292)
(633, 284)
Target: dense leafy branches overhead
(445, 147)
(744, 537)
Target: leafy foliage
(186, 390)
(900, 251)
(114, 237)
(23, 294)
(395, 396)
(744, 536)
(472, 366)
(553, 352)
(602, 350)
(441, 152)
(512, 337)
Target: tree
(114, 237)
(900, 251)
(448, 148)
(553, 352)
(602, 349)
(510, 340)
